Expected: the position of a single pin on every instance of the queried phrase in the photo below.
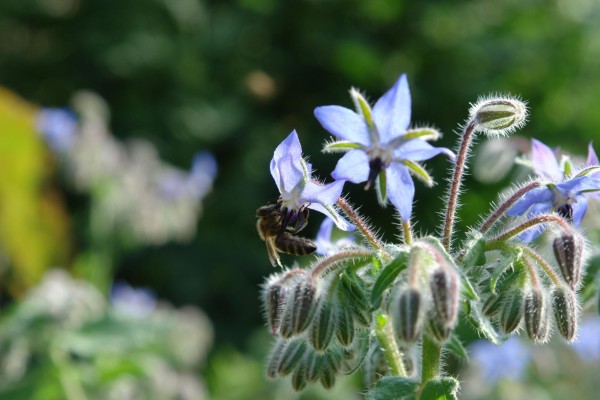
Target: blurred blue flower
(506, 361)
(132, 302)
(292, 176)
(377, 143)
(562, 193)
(587, 345)
(196, 184)
(58, 127)
(325, 246)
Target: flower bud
(565, 311)
(314, 366)
(274, 298)
(327, 378)
(444, 290)
(299, 309)
(291, 357)
(352, 290)
(408, 319)
(437, 330)
(491, 305)
(568, 249)
(323, 326)
(511, 311)
(498, 116)
(299, 378)
(275, 358)
(534, 310)
(345, 324)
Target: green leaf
(457, 348)
(419, 172)
(387, 277)
(440, 389)
(393, 388)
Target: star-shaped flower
(379, 145)
(563, 192)
(292, 175)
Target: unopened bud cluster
(430, 302)
(316, 320)
(520, 299)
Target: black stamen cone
(566, 211)
(375, 167)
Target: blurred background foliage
(235, 77)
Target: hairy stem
(361, 225)
(540, 219)
(455, 185)
(331, 261)
(386, 337)
(542, 263)
(430, 364)
(499, 212)
(407, 232)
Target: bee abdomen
(295, 245)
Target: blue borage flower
(292, 175)
(379, 146)
(563, 192)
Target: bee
(278, 228)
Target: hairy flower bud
(274, 297)
(534, 310)
(275, 358)
(323, 326)
(511, 311)
(408, 318)
(498, 116)
(491, 305)
(291, 356)
(444, 284)
(299, 309)
(352, 290)
(565, 311)
(299, 378)
(314, 366)
(568, 250)
(437, 330)
(345, 324)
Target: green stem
(407, 232)
(385, 335)
(430, 363)
(362, 226)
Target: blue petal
(343, 123)
(539, 195)
(353, 167)
(400, 189)
(324, 194)
(579, 184)
(286, 165)
(339, 221)
(392, 111)
(419, 150)
(323, 239)
(592, 158)
(579, 209)
(544, 161)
